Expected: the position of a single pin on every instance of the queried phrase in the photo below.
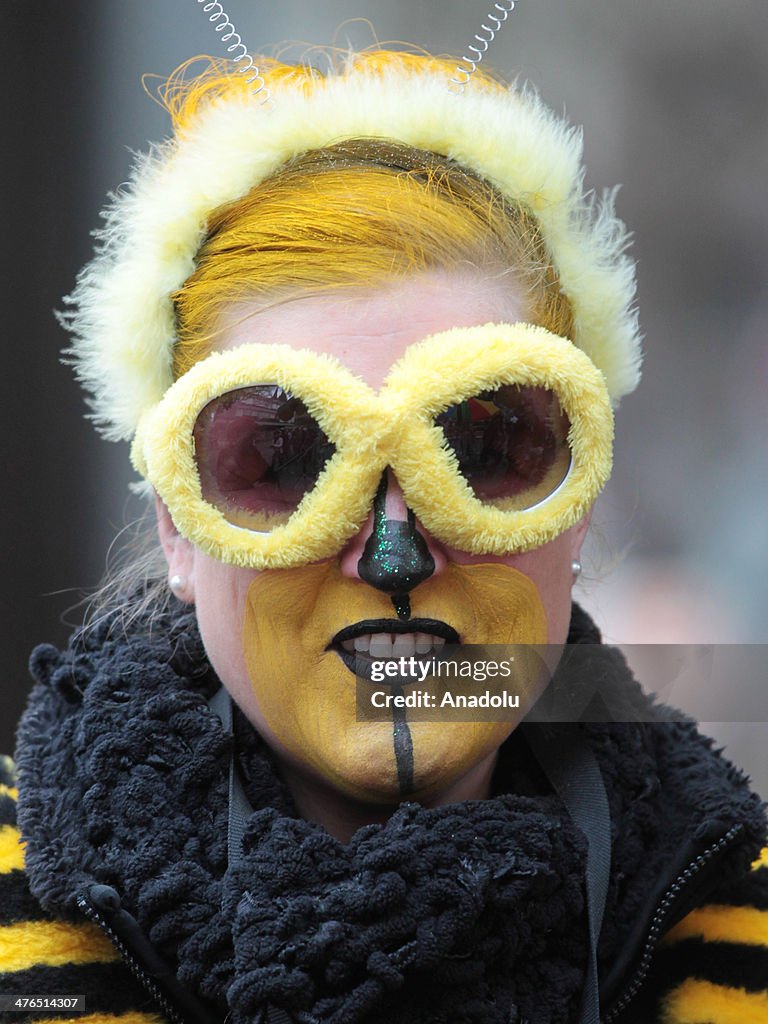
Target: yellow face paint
(306, 694)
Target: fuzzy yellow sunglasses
(269, 457)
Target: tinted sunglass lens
(511, 444)
(258, 452)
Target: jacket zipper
(195, 1013)
(661, 914)
(133, 964)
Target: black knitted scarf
(472, 912)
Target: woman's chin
(381, 764)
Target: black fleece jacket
(467, 913)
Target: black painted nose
(396, 557)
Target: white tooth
(438, 641)
(381, 645)
(348, 645)
(423, 643)
(404, 645)
(362, 643)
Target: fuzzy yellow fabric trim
(52, 944)
(121, 314)
(11, 849)
(485, 358)
(701, 1002)
(373, 431)
(715, 923)
(344, 407)
(132, 1017)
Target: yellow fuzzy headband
(121, 313)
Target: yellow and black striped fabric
(712, 967)
(44, 957)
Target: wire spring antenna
(222, 24)
(478, 49)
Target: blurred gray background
(673, 100)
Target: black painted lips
(359, 664)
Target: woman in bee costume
(366, 334)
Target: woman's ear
(578, 533)
(179, 554)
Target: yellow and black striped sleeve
(712, 967)
(42, 956)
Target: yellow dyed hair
(349, 214)
(490, 179)
(187, 93)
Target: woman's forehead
(369, 329)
